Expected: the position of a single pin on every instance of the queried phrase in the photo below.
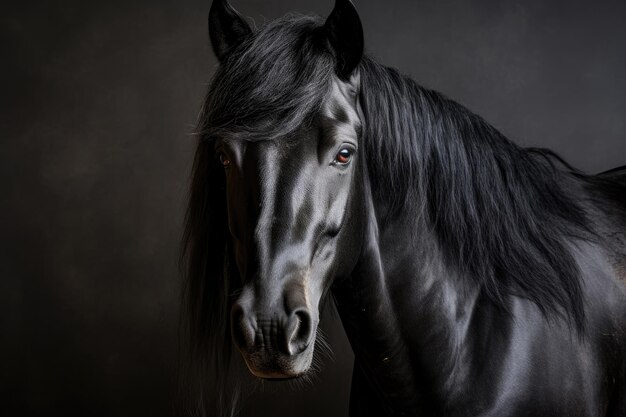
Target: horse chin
(275, 367)
(273, 376)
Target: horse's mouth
(272, 366)
(273, 376)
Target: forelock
(273, 83)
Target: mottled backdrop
(98, 104)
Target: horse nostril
(300, 323)
(241, 328)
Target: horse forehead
(279, 166)
(341, 107)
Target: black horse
(473, 277)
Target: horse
(473, 277)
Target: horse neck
(402, 310)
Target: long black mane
(500, 213)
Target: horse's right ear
(227, 28)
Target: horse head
(289, 161)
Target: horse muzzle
(274, 342)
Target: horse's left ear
(227, 28)
(345, 34)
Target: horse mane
(500, 213)
(272, 84)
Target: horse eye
(343, 156)
(224, 159)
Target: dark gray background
(99, 101)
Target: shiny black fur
(523, 255)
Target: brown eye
(224, 159)
(343, 156)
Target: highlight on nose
(300, 331)
(272, 332)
